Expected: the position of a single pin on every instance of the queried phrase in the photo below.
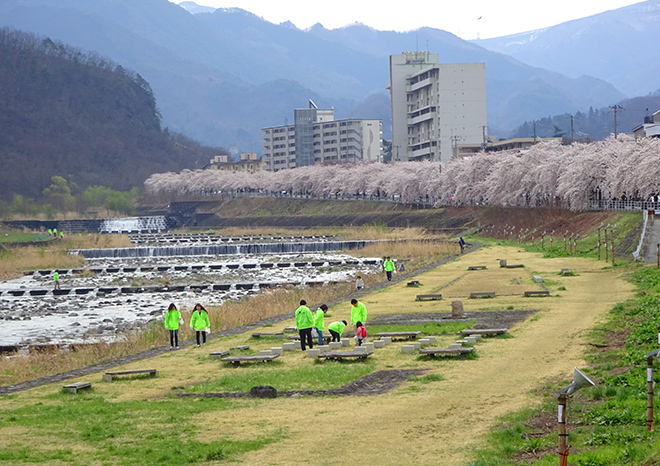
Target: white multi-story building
(435, 107)
(316, 137)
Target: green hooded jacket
(172, 319)
(199, 320)
(319, 321)
(304, 318)
(358, 313)
(337, 327)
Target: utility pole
(534, 124)
(572, 132)
(615, 108)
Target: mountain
(220, 77)
(78, 116)
(194, 8)
(617, 46)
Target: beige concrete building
(316, 137)
(249, 162)
(435, 107)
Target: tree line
(548, 174)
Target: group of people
(199, 322)
(308, 324)
(53, 232)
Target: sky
(468, 19)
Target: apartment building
(249, 162)
(435, 107)
(316, 137)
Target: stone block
(369, 346)
(277, 350)
(265, 353)
(502, 262)
(379, 344)
(335, 345)
(417, 345)
(345, 342)
(313, 353)
(470, 340)
(360, 349)
(423, 342)
(288, 346)
(476, 336)
(408, 348)
(263, 391)
(457, 310)
(324, 348)
(455, 346)
(387, 340)
(431, 340)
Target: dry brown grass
(55, 255)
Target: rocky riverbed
(111, 296)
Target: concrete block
(455, 346)
(360, 349)
(379, 344)
(470, 340)
(266, 352)
(345, 342)
(408, 348)
(313, 353)
(476, 336)
(335, 345)
(324, 348)
(424, 342)
(387, 340)
(369, 346)
(417, 345)
(277, 351)
(431, 340)
(288, 346)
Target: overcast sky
(467, 19)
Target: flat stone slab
(240, 347)
(514, 266)
(338, 355)
(413, 283)
(484, 331)
(486, 294)
(254, 358)
(219, 354)
(537, 293)
(107, 377)
(424, 297)
(262, 334)
(74, 387)
(404, 335)
(477, 267)
(445, 351)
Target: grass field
(441, 417)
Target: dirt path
(442, 422)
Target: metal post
(561, 427)
(649, 393)
(599, 242)
(607, 256)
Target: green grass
(12, 236)
(607, 422)
(87, 429)
(427, 329)
(324, 375)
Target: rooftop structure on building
(316, 137)
(650, 128)
(435, 107)
(520, 145)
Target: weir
(221, 249)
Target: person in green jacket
(319, 321)
(200, 323)
(56, 279)
(388, 265)
(358, 312)
(304, 322)
(336, 329)
(172, 320)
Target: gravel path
(104, 366)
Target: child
(199, 322)
(172, 321)
(360, 334)
(359, 283)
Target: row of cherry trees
(547, 174)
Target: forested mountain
(80, 116)
(594, 124)
(220, 77)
